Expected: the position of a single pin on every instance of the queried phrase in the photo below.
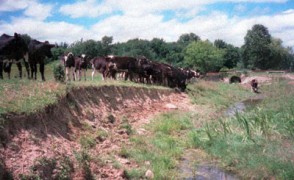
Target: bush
(58, 72)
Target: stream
(191, 170)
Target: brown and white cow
(81, 64)
(68, 60)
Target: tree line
(260, 51)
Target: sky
(72, 20)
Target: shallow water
(240, 107)
(209, 171)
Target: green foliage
(87, 141)
(253, 142)
(281, 57)
(84, 159)
(58, 72)
(204, 56)
(127, 126)
(256, 50)
(42, 168)
(65, 170)
(134, 174)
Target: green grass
(258, 143)
(163, 147)
(216, 94)
(28, 96)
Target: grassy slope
(255, 144)
(27, 96)
(170, 134)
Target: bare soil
(55, 132)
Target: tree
(186, 39)
(280, 56)
(106, 42)
(256, 51)
(204, 56)
(232, 55)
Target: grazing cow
(81, 63)
(122, 64)
(12, 48)
(68, 60)
(102, 65)
(37, 53)
(254, 85)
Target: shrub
(58, 72)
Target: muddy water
(191, 170)
(240, 107)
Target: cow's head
(46, 49)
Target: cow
(37, 53)
(12, 48)
(254, 85)
(102, 65)
(68, 60)
(122, 64)
(81, 63)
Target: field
(122, 130)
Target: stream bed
(192, 170)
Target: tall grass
(258, 143)
(216, 94)
(163, 146)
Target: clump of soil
(82, 136)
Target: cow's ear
(15, 35)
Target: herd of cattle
(142, 70)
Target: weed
(124, 152)
(134, 174)
(101, 134)
(58, 72)
(127, 126)
(65, 169)
(43, 168)
(87, 141)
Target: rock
(149, 174)
(171, 106)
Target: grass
(29, 96)
(215, 94)
(256, 144)
(163, 147)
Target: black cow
(12, 48)
(37, 53)
(122, 64)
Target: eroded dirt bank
(49, 143)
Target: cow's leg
(80, 74)
(7, 68)
(93, 73)
(1, 69)
(74, 74)
(67, 73)
(19, 69)
(85, 74)
(35, 71)
(42, 70)
(27, 69)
